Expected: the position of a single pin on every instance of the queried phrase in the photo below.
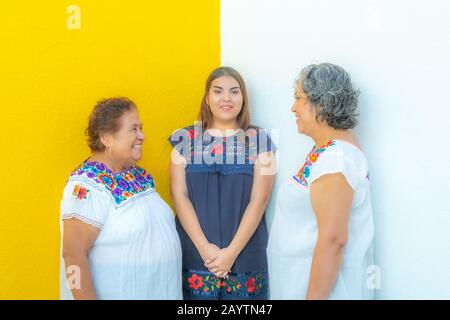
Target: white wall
(398, 53)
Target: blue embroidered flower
(106, 179)
(312, 157)
(306, 172)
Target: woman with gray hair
(320, 244)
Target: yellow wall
(157, 53)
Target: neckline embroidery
(235, 145)
(122, 186)
(312, 157)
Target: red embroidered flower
(195, 282)
(192, 133)
(238, 285)
(217, 149)
(229, 290)
(206, 289)
(83, 193)
(251, 285)
(80, 192)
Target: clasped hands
(218, 261)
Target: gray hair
(329, 88)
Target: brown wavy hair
(206, 116)
(104, 118)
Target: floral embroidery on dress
(312, 157)
(192, 133)
(217, 149)
(80, 193)
(196, 145)
(242, 284)
(123, 186)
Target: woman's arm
(78, 238)
(331, 198)
(263, 178)
(185, 211)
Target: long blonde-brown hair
(206, 116)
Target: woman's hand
(209, 252)
(223, 262)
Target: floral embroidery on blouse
(312, 157)
(122, 186)
(242, 284)
(80, 193)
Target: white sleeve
(335, 162)
(85, 203)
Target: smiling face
(304, 112)
(225, 100)
(124, 147)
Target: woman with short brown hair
(119, 236)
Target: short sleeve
(86, 203)
(265, 143)
(335, 162)
(175, 138)
(181, 140)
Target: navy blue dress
(219, 178)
